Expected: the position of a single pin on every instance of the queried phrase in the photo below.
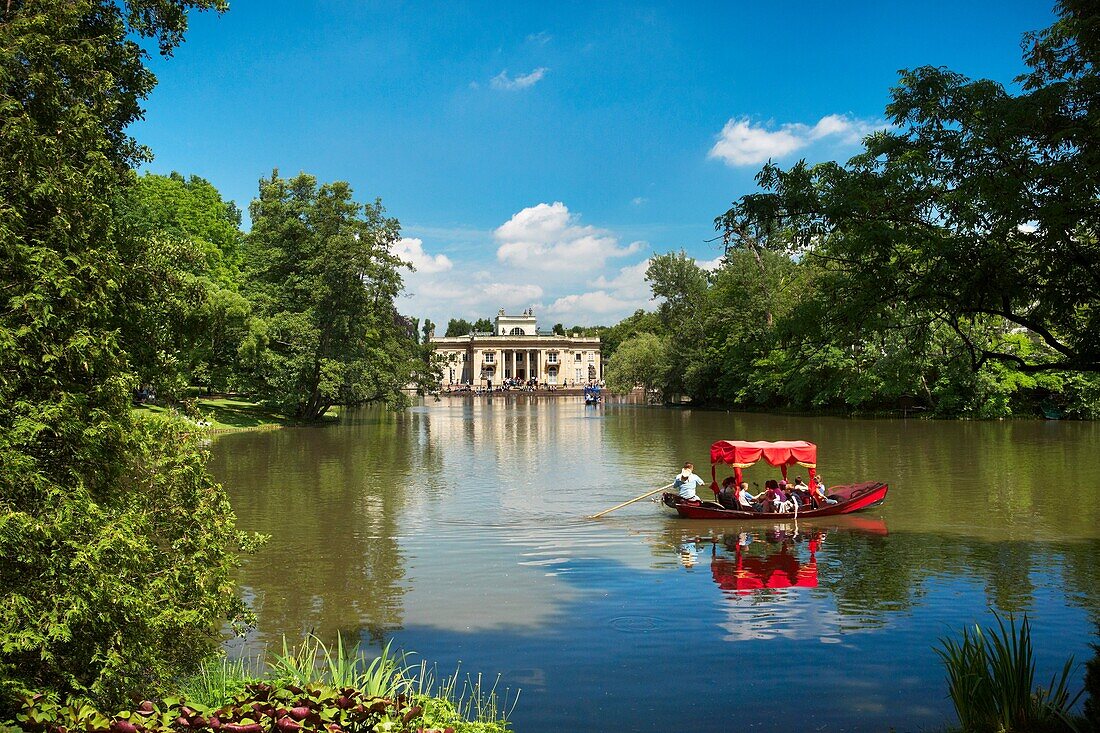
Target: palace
(516, 349)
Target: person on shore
(686, 483)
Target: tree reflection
(330, 498)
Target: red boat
(741, 454)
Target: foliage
(118, 590)
(182, 318)
(309, 688)
(640, 360)
(483, 325)
(115, 544)
(458, 327)
(323, 278)
(977, 206)
(217, 682)
(313, 663)
(991, 682)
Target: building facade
(516, 350)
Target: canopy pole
(714, 478)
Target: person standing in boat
(687, 482)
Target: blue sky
(539, 154)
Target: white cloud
(579, 308)
(515, 83)
(411, 250)
(710, 265)
(548, 238)
(630, 280)
(743, 142)
(541, 38)
(638, 200)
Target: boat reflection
(778, 566)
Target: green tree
(640, 360)
(483, 325)
(458, 327)
(183, 319)
(558, 329)
(323, 277)
(115, 543)
(980, 205)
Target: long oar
(636, 498)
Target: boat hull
(851, 498)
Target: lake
(457, 530)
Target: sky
(538, 154)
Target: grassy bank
(228, 413)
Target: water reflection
(457, 530)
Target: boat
(592, 395)
(741, 454)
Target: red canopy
(744, 453)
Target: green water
(457, 530)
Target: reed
(218, 681)
(991, 682)
(311, 662)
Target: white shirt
(687, 486)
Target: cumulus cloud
(743, 142)
(411, 250)
(549, 238)
(515, 83)
(581, 307)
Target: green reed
(312, 662)
(218, 681)
(991, 682)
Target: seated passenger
(727, 496)
(745, 500)
(782, 502)
(687, 482)
(819, 492)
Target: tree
(483, 325)
(182, 319)
(321, 272)
(115, 543)
(558, 329)
(640, 360)
(458, 327)
(428, 331)
(981, 205)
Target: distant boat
(1050, 412)
(592, 395)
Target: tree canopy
(322, 275)
(116, 546)
(980, 204)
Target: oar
(636, 498)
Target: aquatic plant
(1092, 688)
(218, 681)
(991, 682)
(313, 663)
(448, 701)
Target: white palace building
(516, 349)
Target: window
(490, 357)
(517, 331)
(577, 357)
(464, 356)
(591, 357)
(552, 357)
(579, 373)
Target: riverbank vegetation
(311, 687)
(951, 267)
(117, 547)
